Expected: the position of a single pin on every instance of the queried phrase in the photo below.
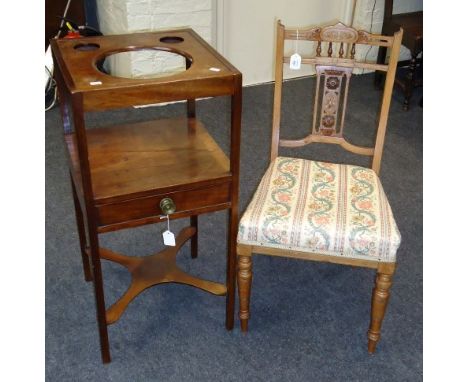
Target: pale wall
(242, 30)
(249, 31)
(249, 35)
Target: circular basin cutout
(86, 47)
(143, 64)
(171, 39)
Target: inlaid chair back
(334, 61)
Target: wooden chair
(412, 25)
(324, 211)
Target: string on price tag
(295, 60)
(168, 236)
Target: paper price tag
(169, 238)
(295, 61)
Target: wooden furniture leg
(191, 113)
(91, 225)
(81, 234)
(236, 110)
(244, 281)
(231, 270)
(99, 294)
(378, 76)
(409, 82)
(380, 296)
(194, 240)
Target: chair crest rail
(338, 33)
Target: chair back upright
(334, 59)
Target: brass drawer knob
(167, 206)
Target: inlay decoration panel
(330, 100)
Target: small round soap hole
(171, 39)
(86, 47)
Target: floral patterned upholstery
(322, 208)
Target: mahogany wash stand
(129, 175)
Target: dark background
(83, 12)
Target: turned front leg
(380, 296)
(244, 282)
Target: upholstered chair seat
(321, 208)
